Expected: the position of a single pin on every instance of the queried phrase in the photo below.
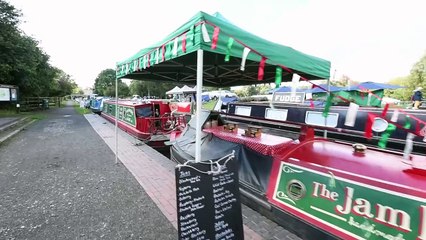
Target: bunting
(327, 105)
(184, 43)
(228, 49)
(385, 110)
(395, 115)
(163, 52)
(278, 76)
(205, 33)
(311, 103)
(385, 136)
(408, 145)
(148, 59)
(351, 114)
(368, 132)
(407, 124)
(157, 56)
(261, 70)
(192, 34)
(215, 37)
(175, 47)
(246, 52)
(294, 83)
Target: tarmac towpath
(58, 180)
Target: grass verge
(209, 105)
(31, 115)
(82, 111)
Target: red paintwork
(146, 127)
(374, 167)
(266, 144)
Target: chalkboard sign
(208, 205)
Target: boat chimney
(359, 148)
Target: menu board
(208, 205)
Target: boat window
(144, 112)
(242, 110)
(276, 114)
(317, 119)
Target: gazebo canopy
(175, 90)
(175, 58)
(186, 89)
(373, 86)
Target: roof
(174, 58)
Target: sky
(365, 40)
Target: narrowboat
(289, 117)
(150, 121)
(318, 188)
(96, 104)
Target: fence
(39, 103)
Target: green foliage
(81, 111)
(416, 79)
(251, 90)
(150, 88)
(22, 62)
(105, 84)
(210, 104)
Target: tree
(105, 84)
(63, 84)
(416, 79)
(22, 62)
(150, 88)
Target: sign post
(208, 200)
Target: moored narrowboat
(150, 121)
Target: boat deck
(155, 174)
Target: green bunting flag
(407, 124)
(385, 136)
(278, 76)
(228, 49)
(327, 105)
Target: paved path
(155, 173)
(58, 180)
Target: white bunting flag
(294, 84)
(408, 145)
(127, 68)
(206, 36)
(244, 58)
(351, 114)
(157, 56)
(395, 115)
(175, 47)
(144, 61)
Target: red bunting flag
(163, 52)
(368, 132)
(312, 106)
(215, 37)
(184, 42)
(385, 110)
(261, 71)
(148, 59)
(137, 65)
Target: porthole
(296, 190)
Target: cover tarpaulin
(179, 66)
(254, 167)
